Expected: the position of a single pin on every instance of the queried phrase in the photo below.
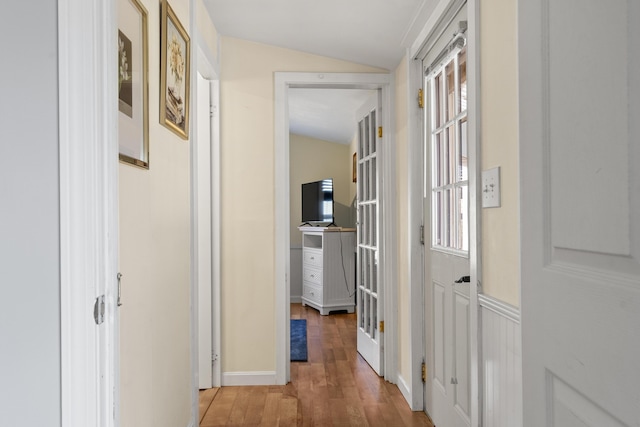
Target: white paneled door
(579, 94)
(447, 290)
(203, 218)
(369, 292)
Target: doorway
(284, 82)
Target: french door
(446, 206)
(369, 291)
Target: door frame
(416, 158)
(88, 212)
(284, 81)
(209, 68)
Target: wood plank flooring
(335, 387)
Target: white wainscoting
(501, 363)
(296, 274)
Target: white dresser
(328, 268)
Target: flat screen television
(317, 201)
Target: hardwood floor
(335, 387)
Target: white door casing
(283, 81)
(369, 307)
(88, 212)
(203, 237)
(579, 103)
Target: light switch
(491, 188)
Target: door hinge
(420, 98)
(424, 372)
(422, 234)
(379, 131)
(98, 310)
(381, 326)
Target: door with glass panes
(446, 201)
(369, 292)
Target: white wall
(29, 217)
(402, 229)
(499, 139)
(248, 210)
(155, 244)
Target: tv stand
(328, 268)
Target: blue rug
(298, 340)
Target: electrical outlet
(491, 188)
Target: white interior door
(579, 95)
(446, 207)
(203, 203)
(369, 291)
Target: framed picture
(133, 83)
(354, 174)
(174, 74)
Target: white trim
(202, 62)
(502, 308)
(405, 390)
(216, 212)
(439, 19)
(249, 378)
(475, 199)
(415, 250)
(193, 226)
(88, 212)
(283, 81)
(389, 245)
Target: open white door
(369, 290)
(579, 93)
(447, 293)
(203, 206)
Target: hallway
(335, 387)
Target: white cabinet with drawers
(328, 268)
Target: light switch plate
(491, 188)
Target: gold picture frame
(133, 83)
(174, 73)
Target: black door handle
(464, 279)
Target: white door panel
(579, 109)
(203, 203)
(369, 292)
(448, 389)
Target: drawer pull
(312, 275)
(313, 257)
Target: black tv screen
(317, 201)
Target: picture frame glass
(174, 102)
(133, 116)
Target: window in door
(447, 127)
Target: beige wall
(248, 222)
(402, 232)
(155, 263)
(310, 160)
(499, 116)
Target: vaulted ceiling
(370, 32)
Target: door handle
(464, 279)
(119, 289)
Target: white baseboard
(249, 378)
(297, 299)
(405, 390)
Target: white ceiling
(370, 32)
(326, 114)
